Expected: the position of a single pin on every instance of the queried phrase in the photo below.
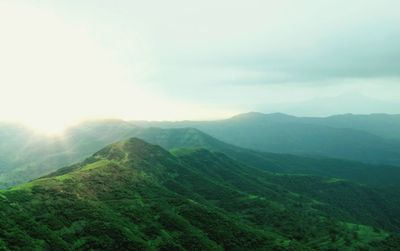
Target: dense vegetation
(25, 156)
(376, 175)
(133, 195)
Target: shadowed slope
(372, 139)
(133, 195)
(42, 156)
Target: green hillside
(37, 156)
(133, 195)
(28, 155)
(376, 175)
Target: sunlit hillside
(200, 125)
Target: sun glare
(47, 127)
(54, 72)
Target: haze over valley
(188, 125)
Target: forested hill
(26, 156)
(133, 195)
(376, 175)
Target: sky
(67, 60)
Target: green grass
(368, 233)
(137, 196)
(97, 164)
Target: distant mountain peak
(248, 115)
(260, 115)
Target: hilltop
(133, 195)
(370, 138)
(30, 157)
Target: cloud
(368, 51)
(274, 42)
(206, 56)
(248, 42)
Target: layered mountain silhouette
(31, 156)
(367, 138)
(132, 195)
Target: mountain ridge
(91, 138)
(374, 142)
(201, 200)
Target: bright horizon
(51, 129)
(63, 62)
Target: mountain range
(371, 138)
(132, 195)
(203, 185)
(26, 155)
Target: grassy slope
(30, 156)
(376, 175)
(133, 195)
(27, 157)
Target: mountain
(45, 155)
(29, 155)
(372, 139)
(376, 175)
(132, 195)
(345, 103)
(383, 125)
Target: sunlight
(48, 127)
(55, 72)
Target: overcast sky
(197, 59)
